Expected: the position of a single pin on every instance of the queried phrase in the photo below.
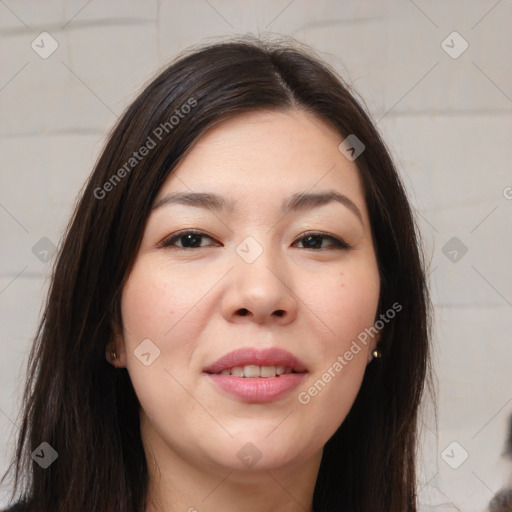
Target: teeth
(238, 371)
(252, 371)
(268, 371)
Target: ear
(373, 345)
(115, 351)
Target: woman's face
(265, 286)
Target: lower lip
(259, 389)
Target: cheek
(358, 299)
(154, 301)
(348, 306)
(343, 305)
(158, 308)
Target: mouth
(253, 371)
(251, 362)
(253, 375)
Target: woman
(239, 316)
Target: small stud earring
(377, 354)
(113, 354)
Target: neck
(178, 484)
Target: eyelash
(169, 241)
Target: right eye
(189, 238)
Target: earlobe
(111, 354)
(375, 352)
(114, 352)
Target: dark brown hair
(502, 500)
(87, 410)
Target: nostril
(245, 312)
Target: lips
(257, 376)
(244, 357)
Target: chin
(260, 452)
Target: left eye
(314, 241)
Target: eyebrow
(297, 202)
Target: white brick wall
(447, 121)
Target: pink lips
(259, 389)
(267, 357)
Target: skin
(190, 302)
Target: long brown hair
(88, 411)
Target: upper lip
(252, 356)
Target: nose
(260, 292)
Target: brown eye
(189, 239)
(315, 241)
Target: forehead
(261, 157)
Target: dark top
(18, 507)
